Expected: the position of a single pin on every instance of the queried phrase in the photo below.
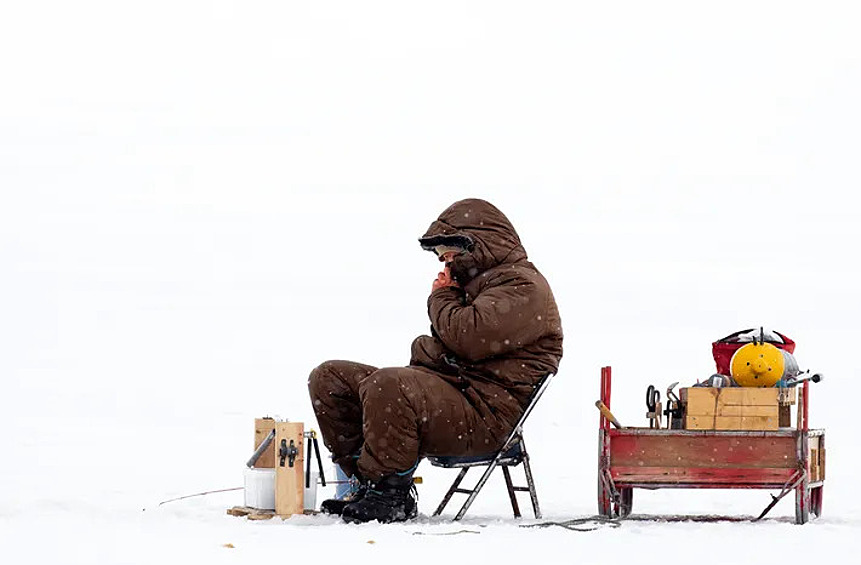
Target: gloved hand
(428, 351)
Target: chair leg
(527, 469)
(511, 493)
(476, 490)
(531, 483)
(451, 491)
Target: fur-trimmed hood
(482, 230)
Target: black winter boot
(336, 505)
(388, 500)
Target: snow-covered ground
(200, 201)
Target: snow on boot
(388, 500)
(337, 505)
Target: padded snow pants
(392, 417)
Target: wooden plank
(701, 475)
(700, 422)
(759, 422)
(732, 422)
(258, 514)
(822, 462)
(822, 457)
(717, 451)
(747, 396)
(262, 427)
(742, 410)
(710, 401)
(701, 400)
(250, 513)
(815, 458)
(784, 416)
(814, 465)
(289, 481)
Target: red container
(723, 349)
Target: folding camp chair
(512, 453)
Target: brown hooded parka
(493, 338)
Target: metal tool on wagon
(653, 404)
(675, 409)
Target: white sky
(202, 200)
(199, 195)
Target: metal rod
(527, 470)
(806, 402)
(511, 494)
(816, 377)
(308, 467)
(319, 459)
(481, 482)
(788, 487)
(451, 491)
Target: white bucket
(260, 489)
(311, 493)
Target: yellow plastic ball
(757, 365)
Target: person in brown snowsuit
(495, 332)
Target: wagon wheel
(816, 501)
(623, 508)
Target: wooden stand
(286, 454)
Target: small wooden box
(730, 408)
(817, 458)
(786, 396)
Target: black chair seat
(513, 456)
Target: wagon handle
(607, 414)
(788, 487)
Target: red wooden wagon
(787, 459)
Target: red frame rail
(647, 458)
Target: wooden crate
(730, 408)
